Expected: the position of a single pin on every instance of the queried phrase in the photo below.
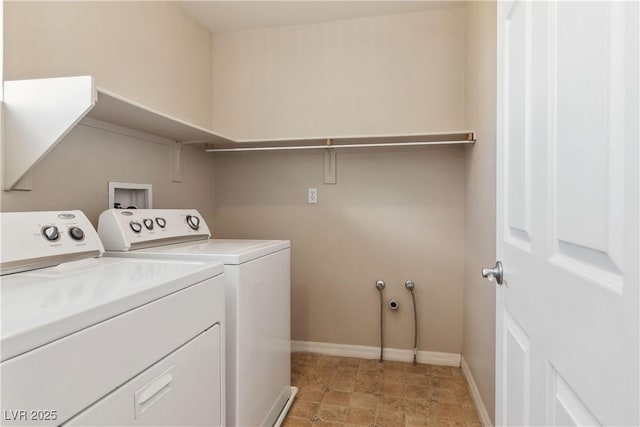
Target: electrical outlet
(312, 195)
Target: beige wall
(76, 173)
(480, 199)
(390, 74)
(393, 215)
(1, 54)
(151, 52)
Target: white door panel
(565, 407)
(516, 372)
(587, 181)
(567, 214)
(517, 69)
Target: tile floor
(343, 391)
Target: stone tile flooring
(343, 391)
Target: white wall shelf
(112, 108)
(330, 145)
(38, 113)
(356, 141)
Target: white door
(567, 222)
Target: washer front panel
(71, 373)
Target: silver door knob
(494, 273)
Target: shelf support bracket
(37, 115)
(329, 164)
(177, 162)
(25, 183)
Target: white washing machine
(87, 340)
(257, 275)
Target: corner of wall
(479, 296)
(213, 80)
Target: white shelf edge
(322, 139)
(373, 141)
(333, 147)
(119, 110)
(38, 113)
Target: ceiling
(231, 15)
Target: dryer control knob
(162, 223)
(135, 226)
(193, 222)
(51, 233)
(148, 223)
(76, 233)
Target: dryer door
(184, 388)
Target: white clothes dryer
(87, 340)
(257, 275)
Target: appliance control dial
(193, 222)
(162, 223)
(51, 233)
(135, 226)
(148, 223)
(76, 233)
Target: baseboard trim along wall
(365, 352)
(475, 394)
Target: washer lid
(228, 251)
(43, 305)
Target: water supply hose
(380, 287)
(410, 285)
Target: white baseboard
(365, 352)
(475, 395)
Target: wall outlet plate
(312, 195)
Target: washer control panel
(33, 240)
(126, 229)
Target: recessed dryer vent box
(128, 196)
